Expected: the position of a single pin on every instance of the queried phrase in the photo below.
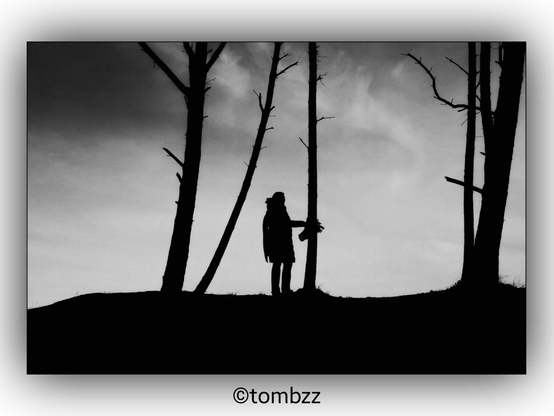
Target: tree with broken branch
(467, 183)
(200, 63)
(266, 110)
(481, 263)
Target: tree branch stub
(304, 143)
(323, 118)
(461, 183)
(170, 154)
(259, 95)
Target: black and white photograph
(250, 208)
(276, 208)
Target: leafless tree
(481, 253)
(266, 110)
(313, 226)
(200, 63)
(499, 129)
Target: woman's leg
(287, 268)
(275, 277)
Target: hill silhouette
(446, 332)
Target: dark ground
(448, 332)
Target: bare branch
(303, 143)
(434, 85)
(458, 182)
(324, 118)
(182, 87)
(259, 95)
(285, 70)
(269, 128)
(284, 56)
(179, 177)
(458, 65)
(189, 50)
(320, 78)
(173, 156)
(215, 55)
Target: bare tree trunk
(266, 111)
(499, 130)
(499, 147)
(174, 274)
(311, 257)
(177, 259)
(467, 271)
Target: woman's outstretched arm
(296, 224)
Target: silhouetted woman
(278, 248)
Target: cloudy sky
(102, 192)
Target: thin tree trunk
(467, 271)
(311, 257)
(499, 147)
(266, 110)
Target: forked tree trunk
(311, 256)
(499, 133)
(499, 147)
(262, 128)
(177, 259)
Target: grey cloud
(79, 89)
